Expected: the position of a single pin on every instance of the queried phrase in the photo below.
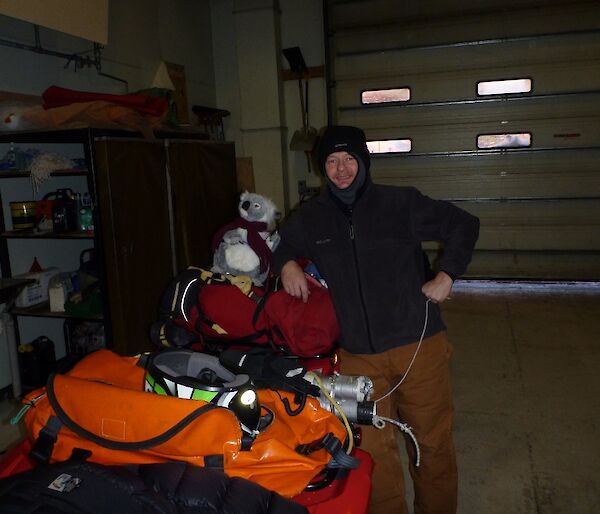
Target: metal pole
(8, 327)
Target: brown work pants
(424, 402)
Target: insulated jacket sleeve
(292, 244)
(439, 220)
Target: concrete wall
(141, 33)
(241, 35)
(207, 37)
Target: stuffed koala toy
(245, 246)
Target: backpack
(306, 329)
(200, 305)
(101, 406)
(79, 487)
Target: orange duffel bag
(101, 406)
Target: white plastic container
(37, 292)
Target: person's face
(341, 169)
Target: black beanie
(340, 138)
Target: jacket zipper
(360, 290)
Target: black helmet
(198, 376)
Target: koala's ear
(244, 195)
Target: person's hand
(294, 280)
(438, 289)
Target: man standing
(365, 240)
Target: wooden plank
(310, 73)
(7, 96)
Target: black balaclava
(340, 138)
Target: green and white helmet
(198, 376)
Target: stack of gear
(200, 304)
(101, 406)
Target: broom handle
(306, 103)
(302, 105)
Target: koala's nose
(246, 205)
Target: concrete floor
(526, 373)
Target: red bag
(217, 309)
(225, 312)
(306, 329)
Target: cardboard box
(37, 292)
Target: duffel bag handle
(47, 437)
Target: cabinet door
(205, 196)
(134, 231)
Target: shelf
(58, 173)
(43, 311)
(28, 234)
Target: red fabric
(229, 308)
(253, 237)
(307, 329)
(349, 494)
(16, 459)
(56, 96)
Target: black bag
(79, 487)
(36, 361)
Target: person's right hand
(294, 280)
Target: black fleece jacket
(372, 260)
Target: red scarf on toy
(253, 238)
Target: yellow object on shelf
(23, 215)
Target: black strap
(260, 305)
(339, 458)
(44, 444)
(300, 402)
(120, 445)
(247, 440)
(216, 461)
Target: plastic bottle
(86, 218)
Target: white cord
(379, 422)
(413, 357)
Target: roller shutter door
(539, 205)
